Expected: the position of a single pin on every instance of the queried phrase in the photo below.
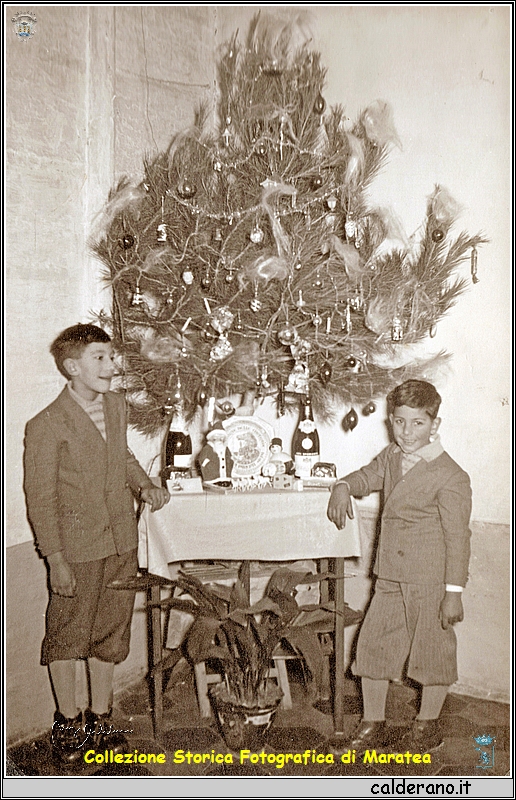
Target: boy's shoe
(423, 736)
(68, 738)
(369, 736)
(102, 734)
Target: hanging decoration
(259, 235)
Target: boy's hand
(156, 497)
(62, 579)
(451, 610)
(340, 505)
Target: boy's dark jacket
(79, 488)
(425, 535)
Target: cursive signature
(82, 735)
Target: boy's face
(412, 427)
(91, 373)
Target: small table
(261, 525)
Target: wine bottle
(177, 453)
(305, 445)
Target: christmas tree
(250, 261)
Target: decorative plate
(249, 439)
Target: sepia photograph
(258, 399)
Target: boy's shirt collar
(429, 452)
(82, 402)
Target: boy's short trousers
(97, 621)
(403, 622)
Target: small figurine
(214, 460)
(282, 461)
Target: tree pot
(242, 726)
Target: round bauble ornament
(351, 362)
(256, 235)
(325, 373)
(317, 181)
(298, 266)
(229, 277)
(331, 202)
(350, 421)
(320, 104)
(287, 335)
(318, 282)
(126, 241)
(317, 320)
(186, 189)
(261, 149)
(227, 408)
(202, 396)
(437, 235)
(370, 408)
(206, 282)
(188, 277)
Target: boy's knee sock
(62, 675)
(374, 694)
(101, 685)
(432, 700)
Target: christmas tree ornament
(331, 221)
(350, 227)
(255, 304)
(331, 202)
(261, 149)
(188, 277)
(351, 362)
(227, 408)
(369, 408)
(288, 334)
(437, 235)
(317, 181)
(256, 235)
(217, 235)
(137, 298)
(229, 278)
(474, 261)
(221, 319)
(238, 324)
(186, 189)
(221, 349)
(202, 395)
(300, 303)
(162, 233)
(325, 373)
(318, 281)
(317, 320)
(350, 421)
(319, 105)
(206, 281)
(298, 380)
(226, 135)
(217, 165)
(168, 406)
(396, 330)
(298, 266)
(127, 241)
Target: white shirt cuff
(451, 587)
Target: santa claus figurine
(214, 460)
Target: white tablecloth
(263, 526)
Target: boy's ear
(70, 366)
(435, 425)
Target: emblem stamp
(24, 24)
(485, 745)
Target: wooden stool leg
(282, 675)
(201, 685)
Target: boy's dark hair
(72, 341)
(415, 394)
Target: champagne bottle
(177, 453)
(305, 445)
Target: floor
(305, 727)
